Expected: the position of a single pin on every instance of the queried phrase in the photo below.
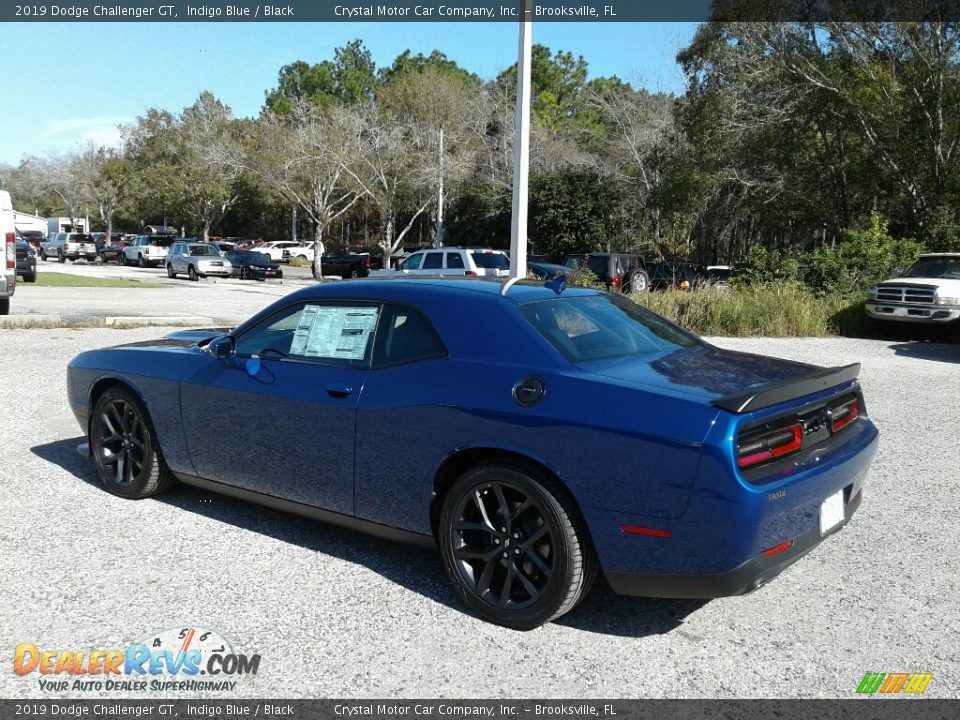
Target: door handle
(338, 390)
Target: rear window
(602, 327)
(77, 237)
(491, 260)
(598, 265)
(161, 241)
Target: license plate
(831, 512)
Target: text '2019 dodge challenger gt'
(535, 435)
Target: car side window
(433, 261)
(405, 335)
(330, 334)
(454, 260)
(413, 262)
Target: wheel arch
(461, 460)
(100, 386)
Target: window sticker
(334, 332)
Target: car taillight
(11, 251)
(366, 262)
(684, 285)
(470, 272)
(843, 415)
(763, 447)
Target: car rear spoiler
(744, 401)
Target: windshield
(940, 267)
(202, 250)
(491, 261)
(603, 327)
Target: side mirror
(221, 347)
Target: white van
(8, 253)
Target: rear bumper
(741, 580)
(912, 313)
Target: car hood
(705, 371)
(943, 284)
(178, 339)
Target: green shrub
(864, 258)
(299, 261)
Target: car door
(279, 416)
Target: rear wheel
(125, 448)
(354, 273)
(638, 282)
(4, 306)
(43, 255)
(141, 262)
(30, 277)
(60, 257)
(514, 546)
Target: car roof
(938, 255)
(410, 288)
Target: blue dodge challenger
(536, 435)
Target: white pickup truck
(929, 292)
(8, 252)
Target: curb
(158, 320)
(19, 320)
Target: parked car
(274, 249)
(928, 292)
(197, 260)
(449, 413)
(673, 276)
(69, 246)
(349, 265)
(718, 276)
(252, 265)
(34, 237)
(618, 271)
(26, 261)
(146, 250)
(452, 261)
(547, 271)
(302, 250)
(224, 246)
(108, 250)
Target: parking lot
(338, 614)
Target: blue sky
(73, 82)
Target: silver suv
(69, 246)
(197, 260)
(146, 250)
(453, 261)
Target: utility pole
(438, 240)
(521, 146)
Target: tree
(302, 158)
(102, 175)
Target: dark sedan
(479, 417)
(252, 265)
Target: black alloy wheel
(514, 546)
(124, 447)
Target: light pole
(521, 146)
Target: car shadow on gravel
(937, 352)
(414, 568)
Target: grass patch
(55, 279)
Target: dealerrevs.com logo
(189, 659)
(894, 683)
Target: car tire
(244, 273)
(354, 274)
(4, 306)
(43, 256)
(124, 447)
(60, 257)
(170, 272)
(141, 262)
(514, 545)
(192, 273)
(30, 277)
(638, 282)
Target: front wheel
(141, 262)
(125, 448)
(514, 546)
(60, 257)
(170, 272)
(244, 273)
(192, 273)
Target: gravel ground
(335, 613)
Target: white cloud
(80, 127)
